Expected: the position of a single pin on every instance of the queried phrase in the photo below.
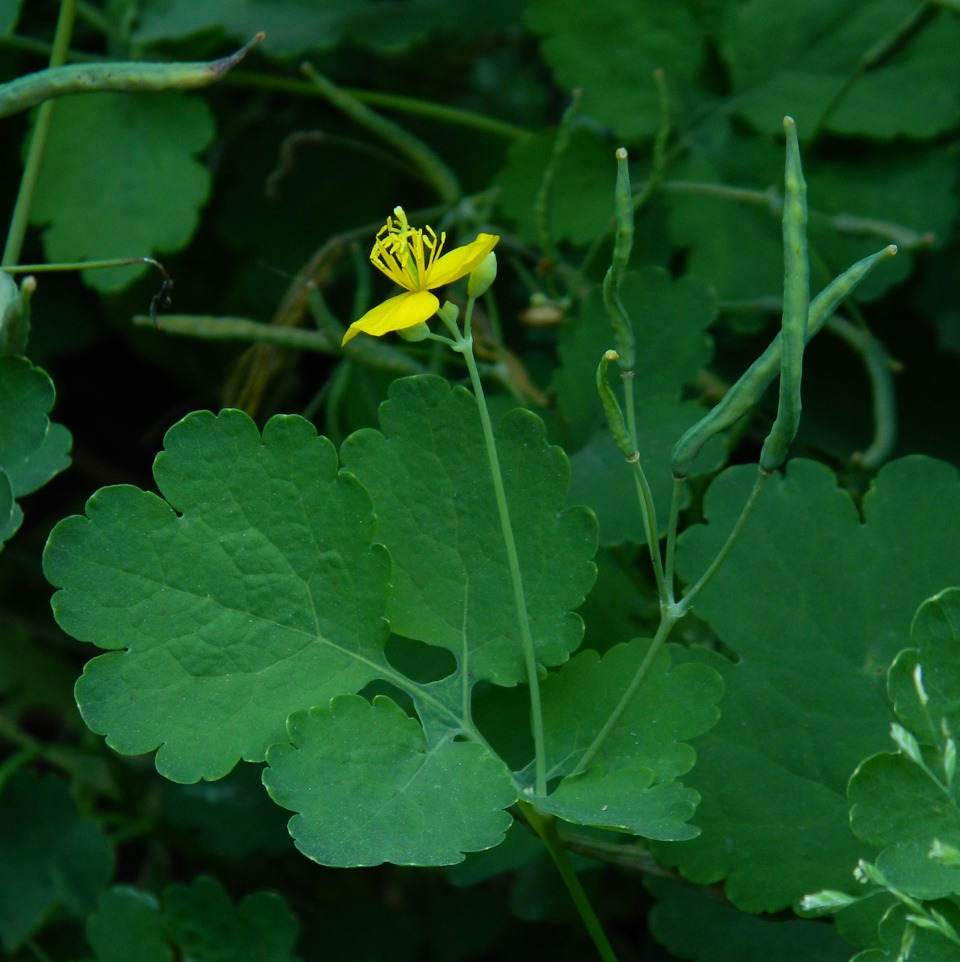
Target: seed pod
(756, 379)
(26, 92)
(796, 306)
(612, 408)
(623, 244)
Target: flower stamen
(404, 254)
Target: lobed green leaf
(815, 615)
(429, 478)
(253, 591)
(368, 789)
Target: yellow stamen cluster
(404, 254)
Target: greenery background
(212, 184)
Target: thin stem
(38, 141)
(464, 346)
(879, 369)
(898, 234)
(401, 104)
(644, 495)
(546, 827)
(687, 601)
(675, 499)
(430, 165)
(878, 53)
(668, 619)
(375, 354)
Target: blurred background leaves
(261, 199)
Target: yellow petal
(404, 310)
(458, 263)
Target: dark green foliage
(319, 639)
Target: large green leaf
(799, 60)
(120, 179)
(815, 602)
(610, 49)
(368, 789)
(32, 450)
(693, 926)
(50, 856)
(254, 592)
(429, 478)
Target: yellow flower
(414, 262)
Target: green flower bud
(416, 333)
(482, 276)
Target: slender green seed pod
(756, 379)
(612, 408)
(623, 244)
(26, 92)
(796, 306)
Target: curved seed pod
(796, 306)
(756, 379)
(612, 408)
(623, 244)
(26, 92)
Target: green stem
(464, 346)
(879, 52)
(374, 98)
(546, 827)
(675, 498)
(644, 495)
(38, 141)
(904, 237)
(437, 173)
(668, 619)
(880, 371)
(372, 353)
(687, 601)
